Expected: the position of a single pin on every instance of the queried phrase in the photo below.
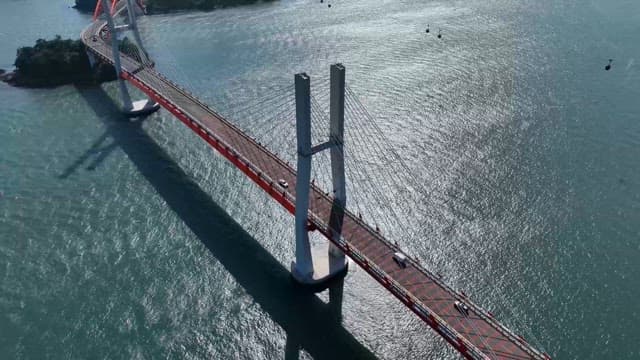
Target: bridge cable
(451, 244)
(366, 142)
(400, 161)
(480, 335)
(320, 117)
(379, 198)
(348, 163)
(350, 171)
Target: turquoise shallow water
(135, 240)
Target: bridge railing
(441, 326)
(460, 296)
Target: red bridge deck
(476, 336)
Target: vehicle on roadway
(461, 307)
(400, 259)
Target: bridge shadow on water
(309, 323)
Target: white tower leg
(133, 26)
(302, 268)
(140, 107)
(336, 135)
(124, 93)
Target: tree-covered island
(160, 6)
(56, 62)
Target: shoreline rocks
(7, 76)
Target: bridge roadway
(476, 336)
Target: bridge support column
(336, 136)
(302, 268)
(140, 107)
(319, 265)
(133, 27)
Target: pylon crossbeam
(308, 269)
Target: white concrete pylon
(316, 266)
(336, 137)
(302, 269)
(115, 50)
(133, 27)
(336, 133)
(140, 107)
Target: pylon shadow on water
(96, 151)
(310, 324)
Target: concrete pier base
(326, 266)
(142, 107)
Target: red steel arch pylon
(98, 9)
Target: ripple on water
(519, 172)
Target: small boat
(608, 67)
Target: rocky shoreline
(7, 76)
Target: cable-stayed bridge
(474, 332)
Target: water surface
(518, 182)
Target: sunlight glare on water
(136, 240)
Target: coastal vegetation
(159, 6)
(56, 62)
(156, 6)
(86, 5)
